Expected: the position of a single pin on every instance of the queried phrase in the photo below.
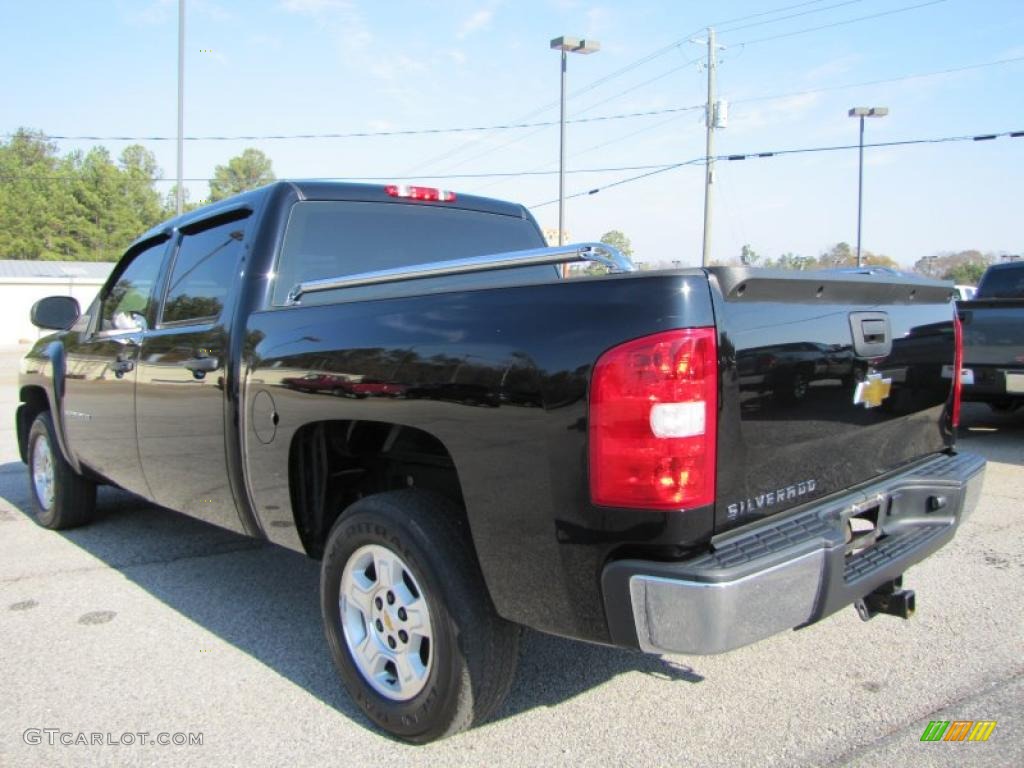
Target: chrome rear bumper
(791, 572)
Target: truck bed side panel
(437, 363)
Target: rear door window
(204, 269)
(335, 239)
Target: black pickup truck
(396, 381)
(993, 324)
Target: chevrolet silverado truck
(993, 325)
(578, 456)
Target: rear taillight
(958, 364)
(420, 193)
(653, 411)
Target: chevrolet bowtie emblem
(872, 391)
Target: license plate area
(1015, 383)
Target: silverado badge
(872, 391)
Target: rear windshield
(333, 239)
(1005, 283)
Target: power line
(793, 15)
(841, 23)
(901, 78)
(484, 175)
(511, 126)
(631, 134)
(782, 152)
(364, 134)
(763, 13)
(900, 143)
(638, 86)
(620, 182)
(524, 137)
(606, 78)
(650, 169)
(846, 86)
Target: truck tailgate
(828, 381)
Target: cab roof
(312, 189)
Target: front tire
(60, 497)
(409, 622)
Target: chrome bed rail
(603, 254)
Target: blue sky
(340, 66)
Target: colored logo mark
(872, 391)
(958, 730)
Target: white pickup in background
(966, 374)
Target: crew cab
(397, 381)
(993, 323)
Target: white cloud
(395, 67)
(598, 20)
(340, 18)
(314, 7)
(475, 22)
(153, 13)
(745, 119)
(159, 12)
(830, 69)
(265, 41)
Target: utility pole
(709, 162)
(180, 198)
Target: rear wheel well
(332, 464)
(34, 401)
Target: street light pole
(561, 155)
(860, 187)
(566, 45)
(862, 112)
(180, 197)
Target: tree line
(962, 267)
(87, 206)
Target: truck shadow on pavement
(264, 600)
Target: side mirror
(55, 313)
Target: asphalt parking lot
(148, 621)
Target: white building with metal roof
(23, 283)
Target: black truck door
(181, 388)
(102, 364)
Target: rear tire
(60, 497)
(792, 388)
(447, 662)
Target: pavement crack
(893, 733)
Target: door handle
(204, 364)
(200, 366)
(121, 367)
